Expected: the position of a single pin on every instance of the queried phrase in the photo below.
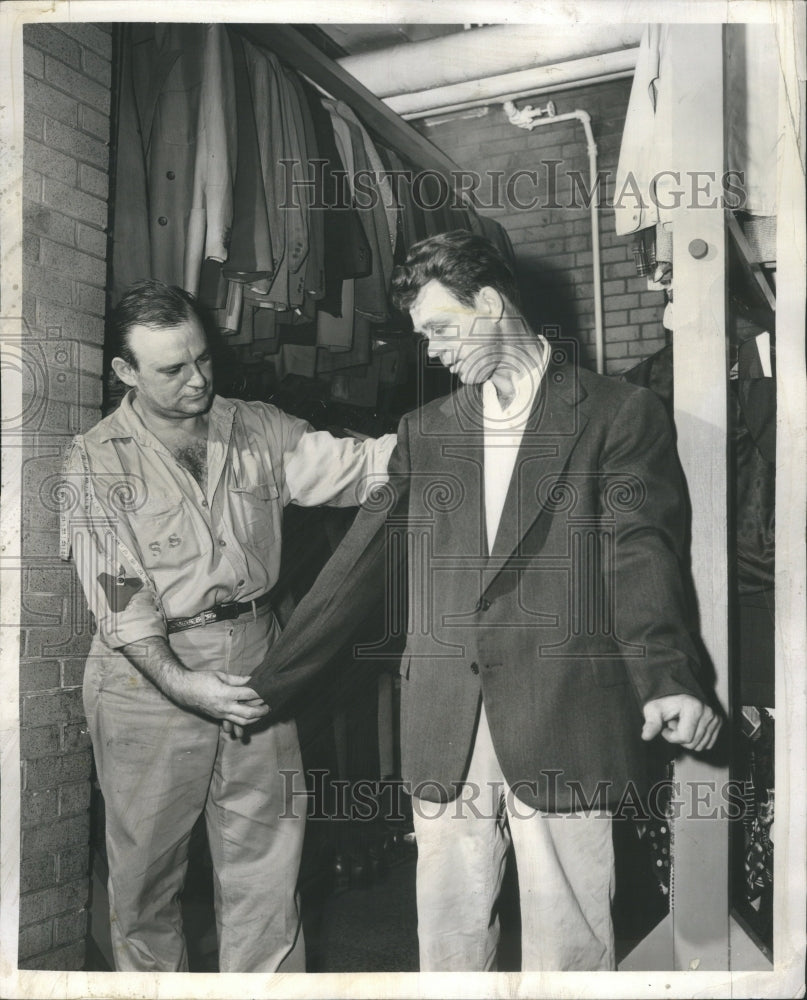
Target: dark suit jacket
(566, 629)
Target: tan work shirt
(150, 544)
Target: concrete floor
(368, 923)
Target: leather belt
(218, 613)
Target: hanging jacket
(382, 185)
(278, 140)
(402, 195)
(129, 216)
(315, 262)
(215, 163)
(370, 292)
(293, 203)
(268, 118)
(251, 248)
(175, 153)
(335, 330)
(345, 248)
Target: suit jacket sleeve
(352, 583)
(644, 491)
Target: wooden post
(695, 935)
(790, 851)
(700, 903)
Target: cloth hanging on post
(646, 191)
(755, 498)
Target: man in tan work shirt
(174, 511)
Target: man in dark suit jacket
(541, 512)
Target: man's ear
(490, 302)
(124, 371)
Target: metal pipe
(485, 90)
(517, 95)
(529, 119)
(484, 52)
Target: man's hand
(212, 692)
(235, 731)
(220, 695)
(681, 718)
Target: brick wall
(553, 244)
(66, 161)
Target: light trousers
(160, 767)
(565, 867)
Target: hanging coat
(175, 153)
(370, 292)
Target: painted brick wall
(553, 244)
(66, 162)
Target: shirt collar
(125, 423)
(526, 388)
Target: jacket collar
(560, 388)
(552, 431)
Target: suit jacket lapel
(552, 431)
(462, 454)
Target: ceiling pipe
(484, 52)
(510, 86)
(452, 109)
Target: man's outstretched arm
(350, 585)
(647, 575)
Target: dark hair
(459, 260)
(153, 304)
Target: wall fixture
(530, 118)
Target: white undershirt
(503, 431)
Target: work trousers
(159, 767)
(565, 869)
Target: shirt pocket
(254, 508)
(165, 534)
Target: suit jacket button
(483, 604)
(163, 221)
(474, 668)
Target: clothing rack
(290, 46)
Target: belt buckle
(226, 612)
